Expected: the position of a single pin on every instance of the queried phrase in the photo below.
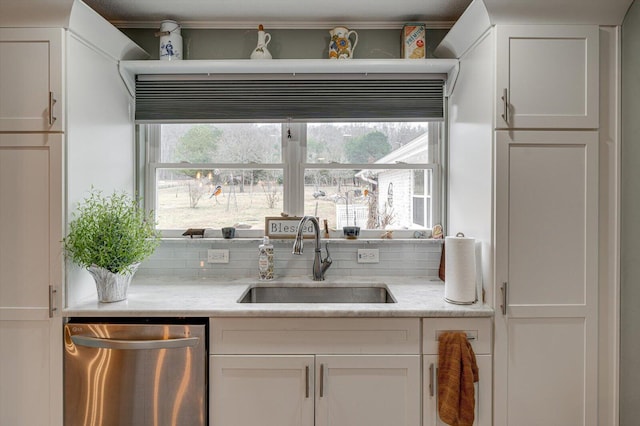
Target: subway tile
(190, 258)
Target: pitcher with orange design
(340, 46)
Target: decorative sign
(286, 227)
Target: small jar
(170, 41)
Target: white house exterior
(401, 192)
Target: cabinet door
(31, 372)
(261, 390)
(547, 77)
(430, 391)
(30, 223)
(368, 390)
(30, 262)
(31, 86)
(546, 271)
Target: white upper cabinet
(547, 77)
(31, 86)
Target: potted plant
(110, 236)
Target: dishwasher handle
(95, 342)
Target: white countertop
(207, 297)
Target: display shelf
(316, 68)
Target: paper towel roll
(460, 270)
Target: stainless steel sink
(317, 294)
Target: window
(375, 175)
(212, 176)
(421, 197)
(230, 148)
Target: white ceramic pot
(112, 287)
(170, 41)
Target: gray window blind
(162, 98)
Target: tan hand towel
(457, 371)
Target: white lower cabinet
(323, 390)
(430, 391)
(546, 342)
(272, 390)
(336, 371)
(31, 372)
(31, 180)
(478, 331)
(367, 390)
(315, 371)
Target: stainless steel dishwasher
(135, 374)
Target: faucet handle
(327, 261)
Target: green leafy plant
(112, 232)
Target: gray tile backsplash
(188, 257)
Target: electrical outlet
(368, 256)
(217, 256)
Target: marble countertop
(151, 296)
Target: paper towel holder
(456, 300)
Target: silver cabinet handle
(431, 380)
(505, 105)
(503, 290)
(321, 380)
(52, 308)
(306, 392)
(52, 102)
(95, 342)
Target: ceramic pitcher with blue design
(340, 45)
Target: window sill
(334, 235)
(258, 240)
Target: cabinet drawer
(315, 335)
(478, 331)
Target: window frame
(293, 164)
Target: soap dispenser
(261, 51)
(265, 260)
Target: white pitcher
(340, 46)
(261, 51)
(170, 41)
